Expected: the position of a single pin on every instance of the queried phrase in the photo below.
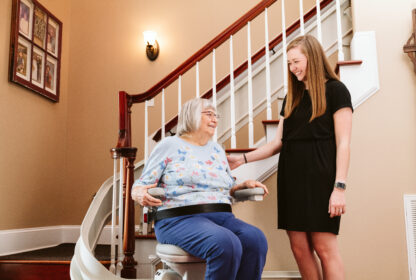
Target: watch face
(340, 185)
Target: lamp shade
(149, 37)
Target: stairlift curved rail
(84, 265)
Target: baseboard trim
(280, 274)
(28, 239)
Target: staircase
(251, 93)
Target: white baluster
(120, 219)
(318, 21)
(113, 220)
(284, 49)
(197, 79)
(250, 90)
(179, 94)
(163, 114)
(232, 101)
(267, 54)
(146, 132)
(302, 24)
(339, 32)
(214, 89)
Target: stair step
(239, 151)
(266, 122)
(347, 62)
(145, 236)
(49, 263)
(270, 128)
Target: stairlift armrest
(158, 193)
(252, 194)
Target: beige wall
(33, 138)
(373, 241)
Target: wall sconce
(152, 47)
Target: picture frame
(35, 48)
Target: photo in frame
(39, 34)
(35, 48)
(23, 59)
(50, 74)
(26, 18)
(52, 37)
(38, 61)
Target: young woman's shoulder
(338, 95)
(333, 84)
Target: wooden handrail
(240, 69)
(203, 52)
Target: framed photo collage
(35, 48)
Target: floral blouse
(189, 174)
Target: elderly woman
(196, 214)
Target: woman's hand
(235, 161)
(337, 205)
(249, 184)
(139, 194)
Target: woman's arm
(152, 173)
(263, 152)
(140, 194)
(342, 125)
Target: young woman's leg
(302, 249)
(203, 238)
(326, 246)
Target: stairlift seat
(175, 254)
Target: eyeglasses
(211, 114)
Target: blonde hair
(190, 116)
(318, 70)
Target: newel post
(128, 154)
(129, 270)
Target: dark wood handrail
(203, 52)
(240, 69)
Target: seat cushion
(175, 254)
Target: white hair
(190, 115)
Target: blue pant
(232, 249)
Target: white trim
(16, 241)
(280, 274)
(410, 217)
(362, 80)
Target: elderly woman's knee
(254, 240)
(226, 246)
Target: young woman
(313, 139)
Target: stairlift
(179, 264)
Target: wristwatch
(340, 185)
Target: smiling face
(208, 122)
(298, 63)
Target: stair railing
(127, 154)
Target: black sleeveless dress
(307, 164)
